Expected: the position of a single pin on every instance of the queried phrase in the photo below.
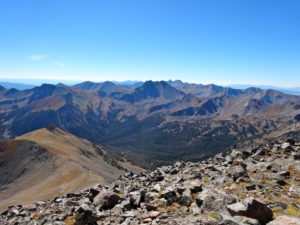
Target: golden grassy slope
(75, 164)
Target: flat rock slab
(285, 220)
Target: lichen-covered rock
(251, 208)
(214, 200)
(106, 199)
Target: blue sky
(202, 41)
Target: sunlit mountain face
(156, 122)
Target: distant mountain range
(129, 83)
(18, 86)
(292, 91)
(151, 123)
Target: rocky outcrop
(257, 186)
(251, 208)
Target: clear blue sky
(203, 41)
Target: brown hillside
(44, 163)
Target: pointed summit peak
(107, 85)
(150, 83)
(153, 90)
(175, 82)
(87, 86)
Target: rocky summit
(255, 186)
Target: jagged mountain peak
(45, 85)
(149, 83)
(107, 86)
(12, 92)
(106, 83)
(61, 85)
(42, 91)
(47, 90)
(87, 86)
(157, 89)
(252, 89)
(213, 86)
(175, 82)
(153, 90)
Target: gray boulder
(214, 200)
(251, 208)
(106, 199)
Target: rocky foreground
(256, 186)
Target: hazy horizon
(221, 42)
(37, 82)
